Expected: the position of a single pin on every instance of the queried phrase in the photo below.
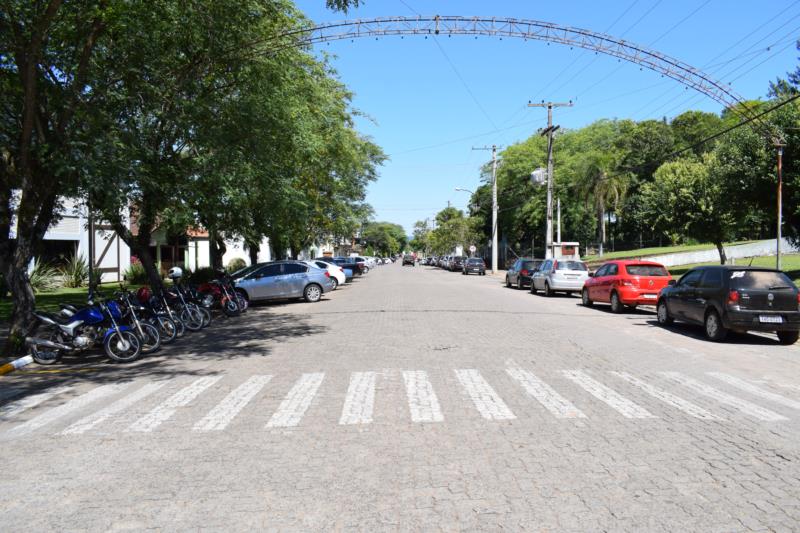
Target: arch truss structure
(525, 29)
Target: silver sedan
(285, 279)
(559, 275)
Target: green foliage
(235, 264)
(201, 275)
(456, 230)
(384, 237)
(76, 272)
(43, 277)
(136, 274)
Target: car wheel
(519, 283)
(335, 283)
(533, 288)
(663, 315)
(616, 304)
(508, 282)
(312, 293)
(788, 337)
(585, 300)
(714, 329)
(547, 290)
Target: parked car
(519, 274)
(732, 297)
(358, 268)
(457, 263)
(283, 280)
(474, 265)
(408, 259)
(559, 275)
(625, 283)
(338, 276)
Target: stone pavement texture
(413, 400)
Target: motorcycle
(220, 292)
(86, 328)
(147, 331)
(159, 310)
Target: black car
(519, 274)
(457, 263)
(409, 260)
(732, 297)
(474, 265)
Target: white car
(559, 275)
(336, 272)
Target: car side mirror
(591, 274)
(672, 283)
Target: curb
(16, 364)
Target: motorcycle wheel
(206, 314)
(230, 308)
(192, 319)
(152, 339)
(122, 346)
(167, 329)
(47, 356)
(241, 301)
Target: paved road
(414, 399)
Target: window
(267, 271)
(546, 267)
(759, 279)
(294, 268)
(572, 265)
(601, 271)
(322, 264)
(691, 278)
(529, 265)
(613, 269)
(646, 270)
(712, 279)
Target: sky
(429, 102)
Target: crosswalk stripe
(422, 401)
(608, 396)
(66, 408)
(225, 411)
(360, 400)
(486, 400)
(164, 411)
(294, 406)
(755, 391)
(670, 399)
(12, 409)
(559, 406)
(89, 422)
(724, 398)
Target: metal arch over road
(518, 28)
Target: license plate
(649, 296)
(770, 319)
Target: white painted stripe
(67, 408)
(486, 400)
(608, 396)
(87, 423)
(670, 399)
(724, 398)
(755, 391)
(422, 400)
(16, 407)
(225, 411)
(294, 406)
(164, 411)
(559, 406)
(360, 400)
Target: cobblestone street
(413, 399)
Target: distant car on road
(457, 263)
(559, 275)
(731, 297)
(474, 265)
(625, 283)
(408, 259)
(519, 274)
(285, 280)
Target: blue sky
(427, 102)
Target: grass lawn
(790, 263)
(643, 252)
(48, 301)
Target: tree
(691, 127)
(384, 237)
(602, 185)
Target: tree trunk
(16, 275)
(217, 249)
(140, 247)
(721, 249)
(252, 249)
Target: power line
(684, 19)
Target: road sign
(472, 248)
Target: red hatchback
(622, 283)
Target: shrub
(136, 274)
(237, 263)
(201, 275)
(76, 272)
(43, 277)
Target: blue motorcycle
(83, 330)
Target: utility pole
(494, 204)
(549, 132)
(779, 145)
(558, 202)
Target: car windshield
(475, 261)
(242, 272)
(571, 265)
(759, 279)
(646, 270)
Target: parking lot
(414, 399)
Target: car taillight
(733, 298)
(524, 272)
(626, 283)
(327, 274)
(555, 265)
(341, 269)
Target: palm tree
(602, 186)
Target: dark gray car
(285, 279)
(520, 273)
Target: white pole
(559, 219)
(494, 209)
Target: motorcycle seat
(54, 317)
